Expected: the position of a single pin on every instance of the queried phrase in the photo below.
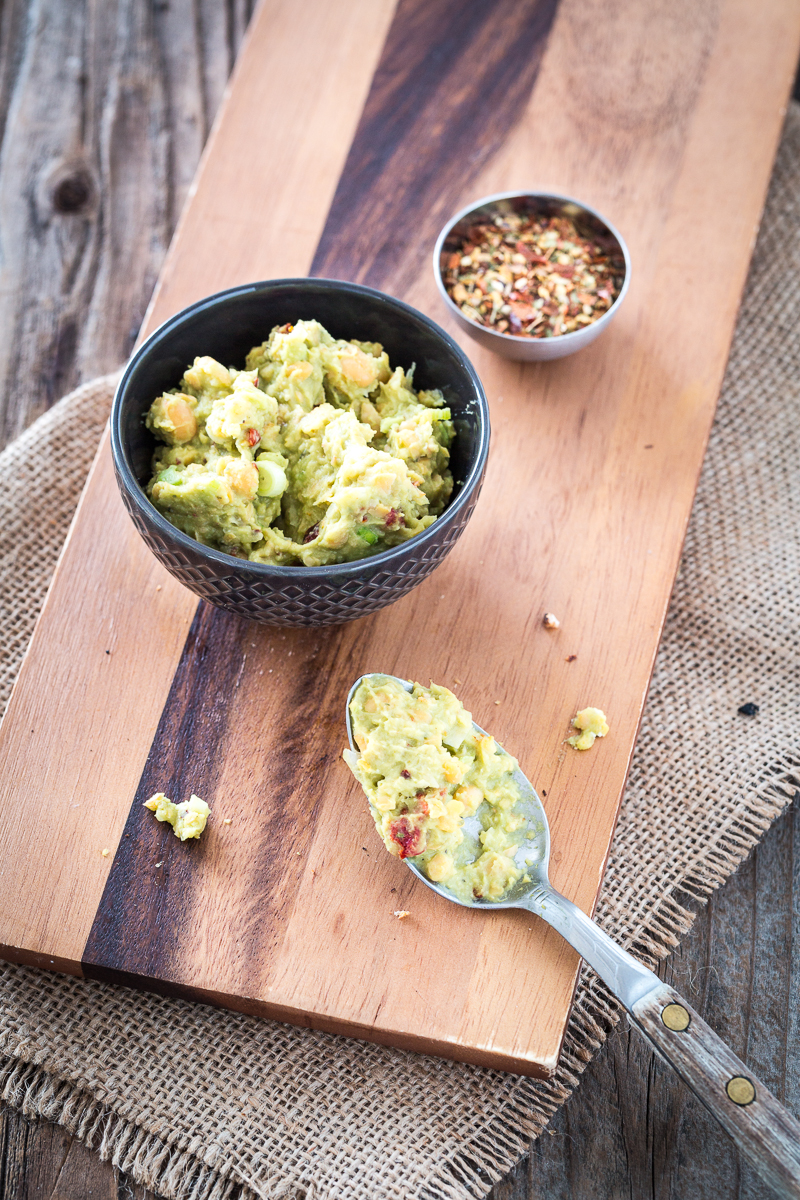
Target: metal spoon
(760, 1126)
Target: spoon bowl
(533, 856)
(760, 1126)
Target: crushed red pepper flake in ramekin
(532, 276)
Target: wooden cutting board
(346, 140)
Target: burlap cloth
(243, 1107)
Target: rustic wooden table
(104, 110)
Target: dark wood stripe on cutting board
(215, 714)
(451, 83)
(150, 884)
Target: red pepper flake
(311, 534)
(253, 437)
(286, 329)
(406, 774)
(407, 836)
(393, 517)
(533, 276)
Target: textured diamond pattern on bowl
(273, 602)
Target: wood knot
(73, 193)
(67, 187)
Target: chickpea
(297, 372)
(452, 769)
(181, 417)
(470, 796)
(209, 367)
(358, 368)
(370, 416)
(242, 477)
(440, 867)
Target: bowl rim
(518, 193)
(230, 562)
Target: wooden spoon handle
(760, 1126)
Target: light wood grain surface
(632, 1129)
(604, 449)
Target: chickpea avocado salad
(317, 452)
(424, 769)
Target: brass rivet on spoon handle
(675, 1017)
(741, 1090)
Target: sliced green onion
(272, 479)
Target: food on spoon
(592, 724)
(424, 769)
(188, 820)
(317, 452)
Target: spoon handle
(761, 1127)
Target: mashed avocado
(592, 724)
(188, 820)
(424, 769)
(318, 452)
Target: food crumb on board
(457, 682)
(188, 820)
(551, 621)
(497, 701)
(105, 853)
(592, 724)
(402, 913)
(158, 589)
(570, 658)
(227, 821)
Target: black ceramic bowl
(226, 326)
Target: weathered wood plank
(40, 1161)
(104, 110)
